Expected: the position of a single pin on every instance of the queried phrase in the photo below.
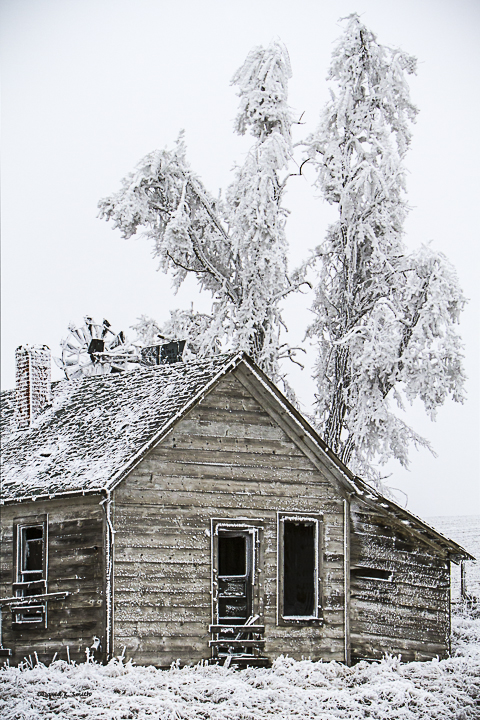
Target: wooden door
(235, 563)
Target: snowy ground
(465, 530)
(445, 690)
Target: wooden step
(236, 643)
(236, 628)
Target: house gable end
(226, 463)
(304, 438)
(240, 423)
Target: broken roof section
(98, 428)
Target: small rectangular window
(31, 554)
(232, 554)
(368, 573)
(30, 571)
(298, 568)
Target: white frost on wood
(98, 426)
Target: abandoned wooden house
(188, 511)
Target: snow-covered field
(465, 530)
(445, 690)
(388, 690)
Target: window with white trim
(299, 581)
(237, 588)
(30, 570)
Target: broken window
(31, 570)
(298, 565)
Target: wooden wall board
(411, 607)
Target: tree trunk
(338, 408)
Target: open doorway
(299, 572)
(237, 628)
(234, 577)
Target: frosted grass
(437, 690)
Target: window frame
(308, 518)
(19, 585)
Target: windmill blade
(106, 328)
(117, 341)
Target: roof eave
(385, 506)
(53, 496)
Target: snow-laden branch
(236, 248)
(384, 320)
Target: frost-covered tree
(235, 248)
(183, 324)
(384, 319)
(147, 332)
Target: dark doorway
(234, 577)
(299, 569)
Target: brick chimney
(33, 387)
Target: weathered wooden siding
(408, 614)
(75, 565)
(226, 459)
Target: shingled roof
(98, 427)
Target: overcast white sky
(90, 86)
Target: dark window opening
(31, 571)
(30, 568)
(366, 573)
(232, 555)
(32, 545)
(299, 571)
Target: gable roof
(98, 428)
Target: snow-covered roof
(98, 428)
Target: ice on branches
(236, 249)
(263, 89)
(385, 320)
(170, 204)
